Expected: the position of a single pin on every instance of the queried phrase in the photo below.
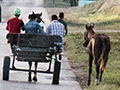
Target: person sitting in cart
(14, 25)
(56, 28)
(61, 20)
(33, 27)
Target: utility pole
(0, 10)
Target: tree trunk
(74, 2)
(71, 3)
(65, 0)
(53, 1)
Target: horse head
(39, 17)
(88, 34)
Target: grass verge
(77, 53)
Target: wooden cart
(34, 48)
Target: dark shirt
(63, 22)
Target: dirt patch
(56, 11)
(81, 77)
(79, 70)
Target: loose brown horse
(99, 48)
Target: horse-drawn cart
(34, 48)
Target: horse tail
(104, 54)
(102, 65)
(102, 62)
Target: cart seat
(34, 47)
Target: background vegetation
(104, 13)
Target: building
(83, 2)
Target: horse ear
(92, 25)
(41, 14)
(29, 16)
(86, 26)
(33, 12)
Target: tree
(65, 0)
(74, 2)
(53, 1)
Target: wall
(83, 2)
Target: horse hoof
(35, 79)
(29, 79)
(96, 82)
(88, 84)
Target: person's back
(33, 27)
(61, 16)
(56, 28)
(63, 22)
(14, 25)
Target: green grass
(103, 22)
(111, 76)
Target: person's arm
(22, 25)
(48, 30)
(40, 30)
(66, 29)
(7, 26)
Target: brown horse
(39, 19)
(99, 48)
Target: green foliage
(111, 76)
(57, 3)
(74, 2)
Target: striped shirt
(56, 28)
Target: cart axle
(48, 72)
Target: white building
(83, 2)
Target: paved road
(17, 79)
(26, 6)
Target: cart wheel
(6, 68)
(56, 73)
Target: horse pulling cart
(34, 48)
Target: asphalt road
(18, 80)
